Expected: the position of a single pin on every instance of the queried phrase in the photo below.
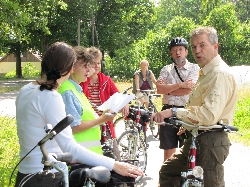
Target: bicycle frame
(194, 174)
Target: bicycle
(154, 128)
(132, 143)
(193, 177)
(80, 175)
(107, 142)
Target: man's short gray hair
(210, 31)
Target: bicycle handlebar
(219, 125)
(147, 92)
(57, 129)
(127, 89)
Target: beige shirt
(169, 75)
(214, 96)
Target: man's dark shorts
(168, 134)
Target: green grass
(9, 146)
(9, 150)
(242, 117)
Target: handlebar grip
(57, 129)
(232, 128)
(63, 124)
(64, 157)
(126, 90)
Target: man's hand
(160, 116)
(160, 81)
(187, 84)
(181, 131)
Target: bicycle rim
(127, 147)
(154, 128)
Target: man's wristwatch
(174, 111)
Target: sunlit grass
(9, 149)
(242, 116)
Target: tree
(120, 23)
(169, 9)
(224, 20)
(154, 48)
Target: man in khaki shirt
(212, 99)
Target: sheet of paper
(116, 102)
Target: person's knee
(214, 177)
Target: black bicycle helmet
(177, 42)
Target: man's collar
(215, 61)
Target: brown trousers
(212, 151)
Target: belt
(171, 106)
(210, 130)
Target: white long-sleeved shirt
(35, 109)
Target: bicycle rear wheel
(127, 144)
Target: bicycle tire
(118, 120)
(154, 128)
(126, 145)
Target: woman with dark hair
(38, 104)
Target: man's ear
(216, 45)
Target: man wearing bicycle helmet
(212, 99)
(175, 82)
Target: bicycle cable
(19, 163)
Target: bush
(28, 71)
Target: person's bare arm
(137, 85)
(166, 88)
(85, 125)
(152, 77)
(169, 88)
(181, 91)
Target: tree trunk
(18, 61)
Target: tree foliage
(224, 20)
(128, 30)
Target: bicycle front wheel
(154, 128)
(131, 148)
